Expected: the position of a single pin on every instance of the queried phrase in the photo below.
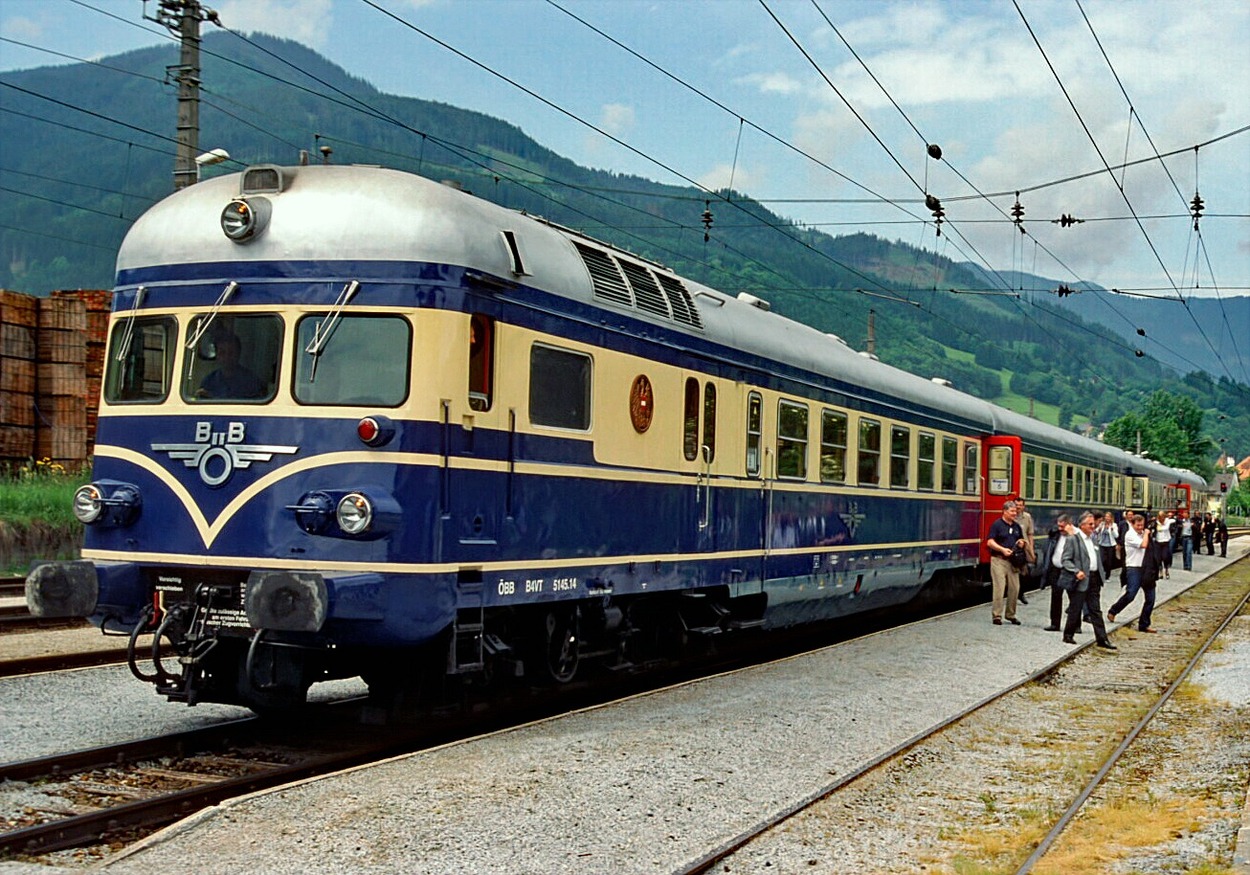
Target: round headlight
(87, 503)
(355, 513)
(244, 218)
(238, 220)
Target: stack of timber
(98, 304)
(18, 324)
(61, 381)
(51, 365)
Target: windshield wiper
(230, 289)
(123, 348)
(325, 329)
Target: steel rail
(705, 863)
(1060, 825)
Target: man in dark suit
(1081, 576)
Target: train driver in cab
(231, 379)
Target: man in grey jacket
(1081, 575)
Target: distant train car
(355, 422)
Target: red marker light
(368, 430)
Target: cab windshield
(235, 360)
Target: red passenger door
(1001, 464)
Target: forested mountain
(87, 148)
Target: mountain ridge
(266, 99)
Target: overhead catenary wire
(652, 242)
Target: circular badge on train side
(641, 403)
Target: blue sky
(968, 75)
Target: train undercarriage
(191, 658)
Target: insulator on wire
(707, 220)
(935, 205)
(1066, 220)
(1017, 214)
(935, 151)
(1195, 209)
(1063, 291)
(1141, 331)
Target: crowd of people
(1077, 559)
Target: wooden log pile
(51, 365)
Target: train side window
(1088, 478)
(1057, 492)
(234, 361)
(950, 464)
(709, 420)
(1045, 482)
(869, 452)
(900, 456)
(141, 360)
(559, 388)
(791, 440)
(972, 466)
(755, 408)
(481, 360)
(1030, 478)
(1069, 484)
(690, 420)
(926, 450)
(832, 447)
(999, 470)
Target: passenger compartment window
(709, 421)
(559, 388)
(900, 456)
(141, 360)
(791, 440)
(832, 447)
(364, 361)
(1030, 478)
(869, 452)
(690, 421)
(950, 465)
(1045, 481)
(755, 428)
(234, 361)
(481, 359)
(926, 449)
(972, 465)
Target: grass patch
(1117, 828)
(36, 514)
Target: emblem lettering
(217, 454)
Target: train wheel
(562, 648)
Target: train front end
(262, 511)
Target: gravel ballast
(644, 785)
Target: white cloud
(772, 83)
(726, 176)
(617, 119)
(305, 21)
(23, 29)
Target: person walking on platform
(1052, 553)
(1122, 527)
(1161, 532)
(1142, 571)
(1187, 542)
(1082, 578)
(1025, 519)
(1004, 574)
(1106, 536)
(1221, 535)
(1209, 531)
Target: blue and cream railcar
(357, 422)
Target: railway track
(121, 792)
(1135, 690)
